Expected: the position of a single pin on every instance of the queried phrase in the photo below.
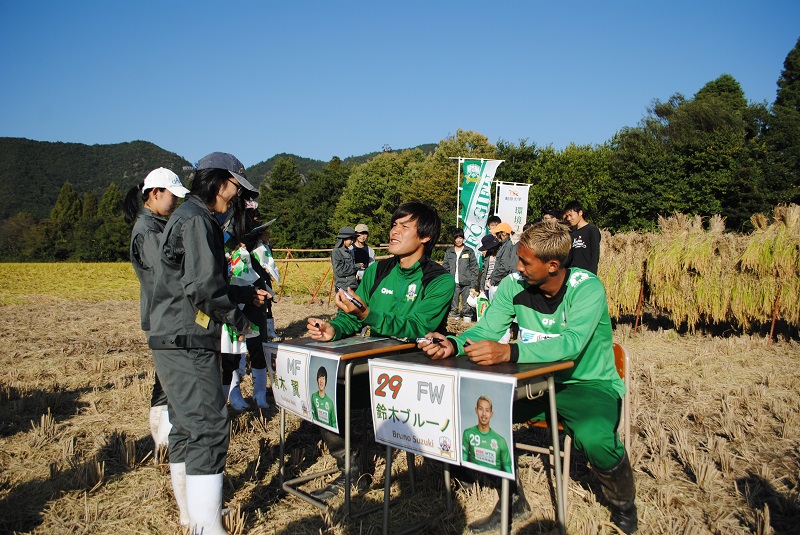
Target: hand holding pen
(436, 346)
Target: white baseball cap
(164, 178)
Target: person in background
(460, 262)
(363, 255)
(257, 241)
(551, 215)
(191, 301)
(563, 315)
(492, 222)
(402, 297)
(489, 247)
(159, 192)
(585, 238)
(506, 256)
(344, 266)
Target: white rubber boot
(235, 398)
(155, 416)
(164, 427)
(177, 472)
(260, 387)
(204, 503)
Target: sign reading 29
(393, 383)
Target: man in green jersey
(322, 408)
(562, 315)
(482, 446)
(402, 297)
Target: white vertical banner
(511, 204)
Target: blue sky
(323, 79)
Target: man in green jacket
(402, 297)
(562, 315)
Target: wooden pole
(639, 307)
(774, 316)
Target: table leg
(348, 375)
(504, 507)
(562, 512)
(282, 446)
(448, 495)
(387, 490)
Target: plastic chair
(622, 363)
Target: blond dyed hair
(549, 240)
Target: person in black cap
(190, 304)
(489, 247)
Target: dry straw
(696, 273)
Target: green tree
(278, 196)
(12, 231)
(64, 216)
(89, 206)
(435, 180)
(374, 190)
(316, 201)
(783, 134)
(106, 236)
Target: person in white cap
(159, 194)
(363, 254)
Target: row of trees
(712, 154)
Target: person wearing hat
(190, 304)
(159, 193)
(506, 256)
(363, 255)
(489, 246)
(344, 266)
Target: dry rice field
(716, 438)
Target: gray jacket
(467, 265)
(190, 297)
(145, 237)
(506, 261)
(344, 268)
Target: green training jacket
(405, 303)
(572, 325)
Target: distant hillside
(32, 172)
(260, 171)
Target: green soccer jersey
(400, 306)
(323, 409)
(485, 449)
(572, 325)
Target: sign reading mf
(293, 366)
(433, 391)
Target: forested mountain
(33, 172)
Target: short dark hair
(457, 233)
(429, 224)
(322, 372)
(574, 205)
(493, 219)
